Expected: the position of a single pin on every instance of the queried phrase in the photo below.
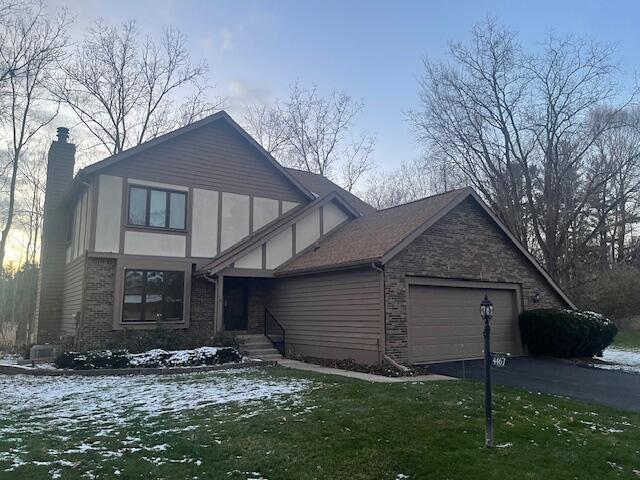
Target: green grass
(347, 429)
(628, 339)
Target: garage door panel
(445, 323)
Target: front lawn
(275, 423)
(628, 339)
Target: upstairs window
(157, 208)
(152, 296)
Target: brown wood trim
(124, 211)
(150, 264)
(189, 221)
(293, 239)
(248, 272)
(219, 232)
(251, 197)
(95, 191)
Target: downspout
(386, 358)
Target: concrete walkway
(310, 367)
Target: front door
(235, 303)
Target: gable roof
(368, 238)
(265, 233)
(218, 116)
(381, 235)
(321, 185)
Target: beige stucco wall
(332, 216)
(109, 218)
(307, 230)
(235, 219)
(151, 243)
(265, 210)
(204, 229)
(279, 249)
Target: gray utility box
(44, 352)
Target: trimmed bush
(152, 359)
(566, 333)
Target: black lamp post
(486, 312)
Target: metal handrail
(273, 330)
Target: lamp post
(486, 312)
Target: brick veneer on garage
(467, 245)
(96, 328)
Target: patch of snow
(32, 404)
(401, 476)
(505, 445)
(627, 360)
(175, 358)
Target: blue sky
(371, 50)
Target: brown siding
(72, 296)
(215, 157)
(331, 315)
(465, 245)
(54, 242)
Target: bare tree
(124, 90)
(27, 107)
(422, 177)
(521, 130)
(266, 125)
(312, 132)
(356, 161)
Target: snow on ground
(70, 402)
(103, 415)
(627, 360)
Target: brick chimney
(48, 314)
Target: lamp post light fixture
(486, 312)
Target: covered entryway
(444, 319)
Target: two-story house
(202, 231)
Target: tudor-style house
(202, 231)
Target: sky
(371, 50)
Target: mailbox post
(486, 312)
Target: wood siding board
(330, 314)
(214, 157)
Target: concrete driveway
(593, 385)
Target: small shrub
(156, 358)
(565, 333)
(93, 359)
(227, 355)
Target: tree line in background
(547, 137)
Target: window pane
(137, 206)
(176, 215)
(153, 298)
(133, 291)
(174, 291)
(158, 209)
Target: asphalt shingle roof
(321, 186)
(370, 237)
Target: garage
(444, 320)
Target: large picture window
(152, 207)
(153, 295)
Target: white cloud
(226, 39)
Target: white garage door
(444, 323)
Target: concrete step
(271, 357)
(253, 339)
(258, 352)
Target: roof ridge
(421, 199)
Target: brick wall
(96, 328)
(464, 245)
